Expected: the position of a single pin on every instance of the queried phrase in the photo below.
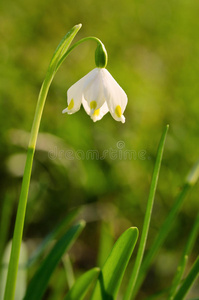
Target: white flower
(99, 93)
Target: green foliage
(113, 270)
(52, 235)
(40, 280)
(161, 236)
(183, 261)
(106, 242)
(82, 285)
(188, 282)
(62, 48)
(147, 219)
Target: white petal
(74, 97)
(75, 92)
(86, 106)
(93, 90)
(90, 77)
(116, 98)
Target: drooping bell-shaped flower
(98, 92)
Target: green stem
(89, 38)
(39, 110)
(16, 243)
(19, 224)
(147, 218)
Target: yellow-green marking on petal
(71, 104)
(93, 104)
(118, 111)
(96, 112)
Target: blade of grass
(52, 235)
(62, 48)
(69, 270)
(136, 269)
(188, 282)
(166, 226)
(82, 285)
(160, 238)
(41, 278)
(183, 261)
(106, 242)
(113, 270)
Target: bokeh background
(153, 49)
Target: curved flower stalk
(99, 93)
(107, 88)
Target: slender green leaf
(178, 276)
(82, 285)
(52, 235)
(188, 282)
(163, 232)
(161, 236)
(106, 242)
(63, 46)
(69, 270)
(189, 245)
(154, 181)
(40, 280)
(113, 270)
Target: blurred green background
(153, 49)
